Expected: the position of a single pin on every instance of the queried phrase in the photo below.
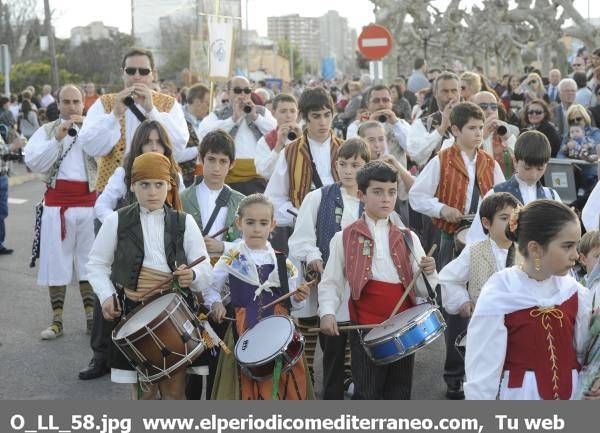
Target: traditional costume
(136, 248)
(255, 279)
(67, 220)
(526, 338)
(370, 263)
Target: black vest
(129, 253)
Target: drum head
(398, 322)
(266, 339)
(145, 315)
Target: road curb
(23, 178)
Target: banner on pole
(220, 47)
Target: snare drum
(259, 347)
(404, 334)
(160, 337)
(460, 235)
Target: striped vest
(454, 181)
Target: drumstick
(348, 327)
(284, 297)
(219, 233)
(170, 278)
(411, 285)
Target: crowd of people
(334, 196)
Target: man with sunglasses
(110, 125)
(246, 123)
(106, 134)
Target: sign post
(374, 43)
(5, 67)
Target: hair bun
(512, 229)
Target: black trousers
(379, 382)
(100, 339)
(334, 374)
(454, 366)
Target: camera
(247, 109)
(382, 118)
(292, 136)
(72, 132)
(501, 130)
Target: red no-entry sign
(374, 42)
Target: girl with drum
(530, 327)
(137, 248)
(257, 275)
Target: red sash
(377, 301)
(66, 194)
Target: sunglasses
(381, 100)
(142, 71)
(576, 65)
(535, 112)
(239, 90)
(488, 106)
(576, 119)
(224, 101)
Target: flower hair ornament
(513, 222)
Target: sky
(117, 13)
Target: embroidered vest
(109, 163)
(454, 180)
(541, 339)
(359, 246)
(299, 167)
(88, 162)
(482, 267)
(129, 252)
(329, 217)
(189, 202)
(512, 186)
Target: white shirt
(455, 276)
(101, 131)
(487, 333)
(153, 228)
(422, 194)
(398, 129)
(334, 290)
(529, 194)
(41, 153)
(46, 100)
(245, 142)
(114, 191)
(207, 201)
(590, 215)
(266, 159)
(420, 143)
(278, 188)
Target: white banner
(220, 52)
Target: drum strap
(282, 272)
(474, 197)
(315, 174)
(222, 200)
(409, 244)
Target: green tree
(35, 74)
(289, 51)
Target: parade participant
(195, 109)
(214, 207)
(285, 111)
(370, 266)
(324, 212)
(7, 156)
(67, 225)
(309, 161)
(150, 136)
(212, 203)
(115, 260)
(90, 96)
(529, 329)
(449, 187)
(256, 275)
(379, 109)
(589, 251)
(461, 280)
(590, 215)
(427, 135)
(109, 127)
(532, 153)
(246, 123)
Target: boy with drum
(139, 246)
(532, 153)
(375, 261)
(447, 190)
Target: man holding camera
(246, 123)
